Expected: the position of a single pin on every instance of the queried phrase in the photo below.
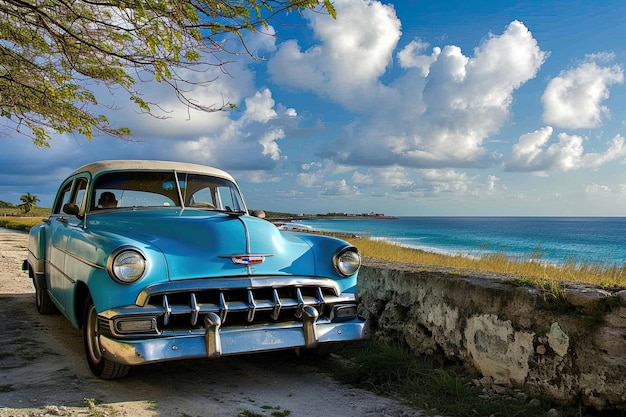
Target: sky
(407, 108)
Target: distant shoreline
(322, 217)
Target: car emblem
(248, 259)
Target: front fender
(323, 248)
(87, 264)
(37, 249)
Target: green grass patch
(424, 383)
(98, 409)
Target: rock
(585, 298)
(596, 402)
(612, 341)
(558, 339)
(553, 413)
(486, 381)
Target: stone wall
(566, 342)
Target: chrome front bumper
(214, 341)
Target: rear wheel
(100, 366)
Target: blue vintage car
(159, 260)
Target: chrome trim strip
(234, 283)
(247, 234)
(78, 258)
(251, 307)
(167, 311)
(204, 308)
(195, 309)
(300, 302)
(320, 295)
(53, 266)
(277, 304)
(223, 307)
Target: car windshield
(131, 189)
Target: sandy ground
(43, 372)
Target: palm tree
(29, 201)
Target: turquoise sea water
(549, 239)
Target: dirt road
(43, 372)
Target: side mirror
(71, 208)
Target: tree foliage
(29, 202)
(53, 53)
(4, 204)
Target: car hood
(200, 244)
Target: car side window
(209, 192)
(128, 189)
(81, 190)
(74, 191)
(202, 198)
(228, 198)
(63, 198)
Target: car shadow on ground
(43, 364)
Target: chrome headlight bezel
(127, 265)
(347, 261)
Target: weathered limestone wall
(567, 343)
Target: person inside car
(107, 200)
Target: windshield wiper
(237, 212)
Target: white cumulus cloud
(250, 142)
(447, 180)
(410, 56)
(260, 107)
(574, 99)
(442, 119)
(534, 152)
(352, 52)
(339, 188)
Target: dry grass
(17, 212)
(19, 223)
(602, 274)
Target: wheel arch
(80, 300)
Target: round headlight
(127, 266)
(347, 261)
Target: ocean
(547, 239)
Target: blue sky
(403, 108)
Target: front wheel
(100, 366)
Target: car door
(60, 228)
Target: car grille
(240, 307)
(183, 305)
(180, 307)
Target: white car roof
(95, 168)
